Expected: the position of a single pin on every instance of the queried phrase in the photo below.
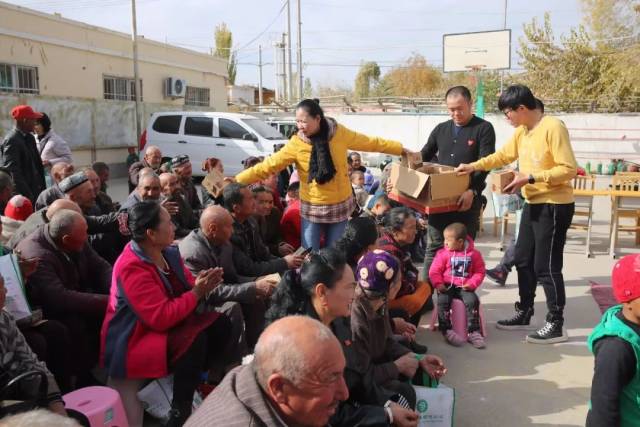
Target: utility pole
(280, 66)
(504, 26)
(289, 66)
(260, 100)
(136, 78)
(300, 52)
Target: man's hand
(518, 182)
(403, 417)
(293, 261)
(465, 201)
(46, 163)
(401, 326)
(407, 365)
(27, 266)
(171, 207)
(207, 281)
(434, 366)
(285, 249)
(265, 287)
(464, 169)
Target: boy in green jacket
(615, 341)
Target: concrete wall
(73, 57)
(593, 136)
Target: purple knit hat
(376, 271)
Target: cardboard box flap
(447, 184)
(411, 160)
(411, 182)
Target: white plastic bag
(435, 406)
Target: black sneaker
(417, 348)
(520, 321)
(498, 276)
(550, 333)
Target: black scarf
(321, 167)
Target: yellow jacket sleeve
(560, 147)
(360, 142)
(504, 156)
(272, 164)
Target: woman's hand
(58, 408)
(464, 169)
(434, 366)
(207, 281)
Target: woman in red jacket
(157, 320)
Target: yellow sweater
(299, 152)
(544, 152)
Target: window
(167, 124)
(19, 78)
(230, 129)
(197, 96)
(263, 129)
(120, 88)
(199, 126)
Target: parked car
(285, 125)
(230, 137)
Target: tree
(368, 75)
(224, 43)
(307, 90)
(416, 78)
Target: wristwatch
(532, 180)
(387, 408)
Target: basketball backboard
(486, 50)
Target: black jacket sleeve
(430, 149)
(487, 146)
(248, 267)
(13, 160)
(102, 223)
(614, 369)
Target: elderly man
(71, 283)
(209, 247)
(152, 159)
(295, 379)
(59, 171)
(181, 166)
(184, 220)
(103, 203)
(6, 190)
(19, 154)
(39, 218)
(251, 256)
(268, 218)
(102, 169)
(148, 189)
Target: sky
(337, 35)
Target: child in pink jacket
(456, 272)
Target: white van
(230, 137)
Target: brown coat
(237, 402)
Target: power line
(284, 4)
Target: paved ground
(512, 383)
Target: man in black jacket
(463, 139)
(19, 154)
(251, 256)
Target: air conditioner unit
(175, 87)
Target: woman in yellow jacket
(319, 151)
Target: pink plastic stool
(459, 318)
(101, 405)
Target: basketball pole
(479, 94)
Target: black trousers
(539, 254)
(438, 222)
(471, 304)
(205, 349)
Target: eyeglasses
(506, 112)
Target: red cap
(24, 112)
(18, 208)
(625, 278)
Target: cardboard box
(429, 187)
(500, 179)
(214, 182)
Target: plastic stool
(101, 405)
(459, 318)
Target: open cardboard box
(426, 187)
(214, 182)
(500, 179)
